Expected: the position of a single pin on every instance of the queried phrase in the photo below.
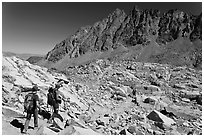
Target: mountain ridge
(139, 27)
(23, 56)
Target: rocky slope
(107, 97)
(34, 59)
(142, 34)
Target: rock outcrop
(34, 59)
(159, 117)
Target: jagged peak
(135, 11)
(136, 8)
(118, 11)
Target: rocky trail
(107, 98)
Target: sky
(36, 28)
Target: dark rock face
(59, 51)
(141, 26)
(174, 24)
(197, 32)
(34, 59)
(138, 27)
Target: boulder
(105, 120)
(55, 129)
(99, 122)
(185, 124)
(21, 99)
(85, 131)
(135, 117)
(186, 100)
(157, 132)
(7, 86)
(131, 129)
(179, 86)
(124, 132)
(150, 100)
(69, 130)
(6, 96)
(70, 122)
(43, 130)
(199, 100)
(152, 88)
(84, 118)
(58, 123)
(11, 112)
(114, 125)
(159, 117)
(140, 132)
(64, 115)
(150, 130)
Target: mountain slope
(181, 52)
(140, 29)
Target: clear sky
(38, 27)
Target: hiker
(54, 99)
(31, 106)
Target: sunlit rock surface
(107, 98)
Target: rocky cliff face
(139, 27)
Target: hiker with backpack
(31, 106)
(54, 99)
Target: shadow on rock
(18, 124)
(22, 117)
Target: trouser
(56, 108)
(55, 111)
(28, 117)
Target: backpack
(52, 97)
(29, 103)
(59, 99)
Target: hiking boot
(25, 132)
(49, 121)
(36, 127)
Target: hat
(35, 88)
(59, 84)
